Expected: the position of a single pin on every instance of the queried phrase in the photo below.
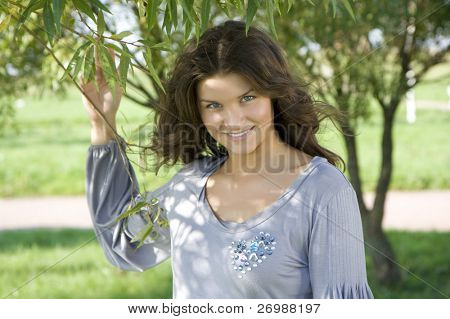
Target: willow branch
(117, 137)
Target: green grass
(424, 259)
(48, 156)
(434, 86)
(85, 272)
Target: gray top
(307, 244)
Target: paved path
(414, 211)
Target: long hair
(179, 133)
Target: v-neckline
(259, 217)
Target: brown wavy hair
(179, 131)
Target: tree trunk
(352, 165)
(380, 249)
(377, 245)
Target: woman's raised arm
(111, 186)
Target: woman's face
(228, 104)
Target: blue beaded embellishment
(247, 254)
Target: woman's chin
(240, 149)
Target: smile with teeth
(240, 134)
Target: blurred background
(386, 63)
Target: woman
(259, 209)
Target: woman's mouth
(240, 135)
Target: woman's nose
(234, 117)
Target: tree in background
(378, 57)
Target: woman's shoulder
(196, 169)
(184, 180)
(192, 171)
(322, 182)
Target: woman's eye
(208, 106)
(248, 96)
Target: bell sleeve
(337, 263)
(109, 192)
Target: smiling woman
(227, 84)
(259, 209)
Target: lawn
(48, 156)
(81, 271)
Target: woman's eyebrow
(251, 89)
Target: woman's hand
(106, 101)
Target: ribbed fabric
(313, 232)
(337, 250)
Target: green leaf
(224, 7)
(145, 231)
(88, 70)
(118, 49)
(173, 13)
(49, 24)
(78, 64)
(205, 12)
(58, 9)
(109, 67)
(197, 32)
(148, 59)
(127, 52)
(121, 35)
(326, 4)
(162, 46)
(131, 210)
(290, 4)
(5, 23)
(333, 3)
(73, 61)
(149, 229)
(152, 12)
(252, 7)
(123, 70)
(167, 23)
(100, 23)
(84, 7)
(141, 8)
(270, 13)
(237, 4)
(349, 8)
(32, 6)
(277, 6)
(100, 5)
(187, 29)
(187, 10)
